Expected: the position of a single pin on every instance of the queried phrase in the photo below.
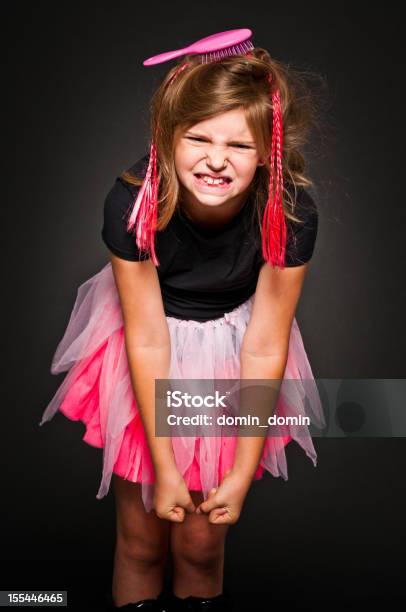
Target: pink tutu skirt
(97, 390)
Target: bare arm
(147, 342)
(263, 355)
(265, 346)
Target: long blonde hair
(202, 91)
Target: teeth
(212, 181)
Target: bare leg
(141, 546)
(198, 555)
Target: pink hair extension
(273, 222)
(179, 70)
(144, 214)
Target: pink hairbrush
(216, 46)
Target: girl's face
(222, 146)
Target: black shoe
(171, 603)
(220, 603)
(147, 605)
(144, 604)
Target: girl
(210, 236)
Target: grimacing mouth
(214, 176)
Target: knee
(200, 552)
(142, 550)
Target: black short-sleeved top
(204, 273)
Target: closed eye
(239, 146)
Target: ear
(261, 162)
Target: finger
(218, 512)
(207, 505)
(219, 519)
(201, 510)
(201, 507)
(177, 514)
(190, 507)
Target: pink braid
(144, 214)
(273, 222)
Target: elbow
(258, 348)
(270, 354)
(263, 362)
(146, 337)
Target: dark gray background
(79, 117)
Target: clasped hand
(223, 506)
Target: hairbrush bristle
(240, 49)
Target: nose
(216, 157)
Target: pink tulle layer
(134, 459)
(97, 390)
